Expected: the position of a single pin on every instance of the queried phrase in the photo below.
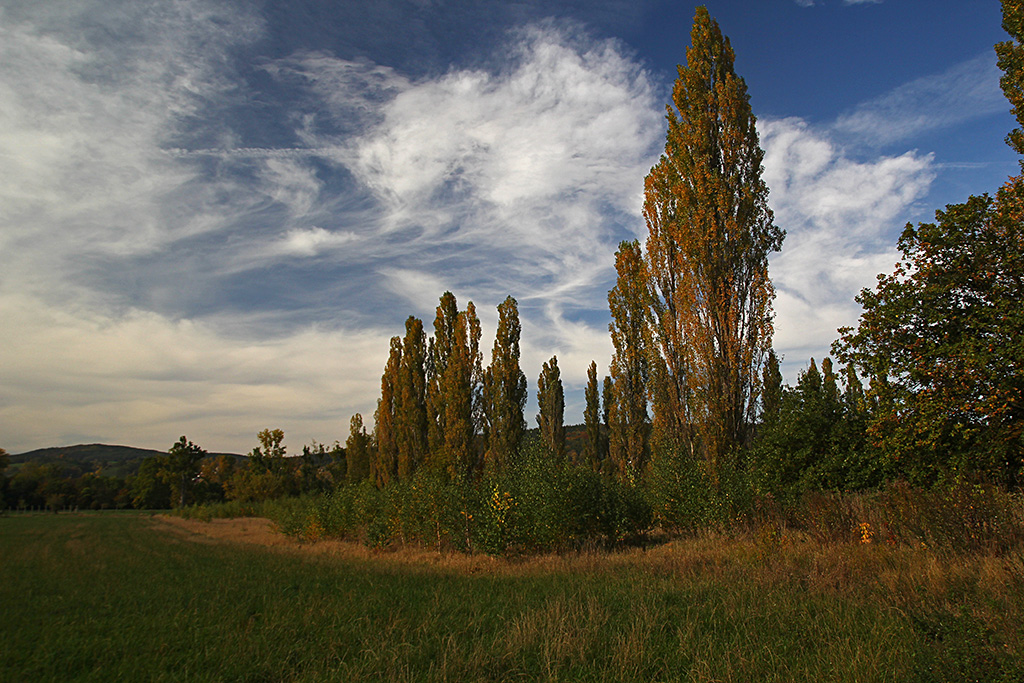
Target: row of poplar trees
(691, 317)
(693, 381)
(438, 401)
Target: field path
(251, 530)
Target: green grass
(115, 597)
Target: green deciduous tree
(594, 448)
(941, 336)
(411, 426)
(181, 466)
(149, 490)
(357, 451)
(505, 389)
(706, 208)
(551, 401)
(4, 462)
(387, 419)
(629, 426)
(1011, 61)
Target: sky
(214, 214)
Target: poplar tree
(592, 450)
(357, 451)
(441, 346)
(607, 403)
(710, 233)
(411, 422)
(628, 301)
(387, 419)
(551, 401)
(459, 450)
(505, 388)
(771, 390)
(452, 374)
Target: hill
(118, 461)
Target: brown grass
(898, 573)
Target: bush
(958, 517)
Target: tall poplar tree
(592, 450)
(357, 451)
(505, 388)
(710, 233)
(551, 401)
(628, 301)
(452, 372)
(386, 422)
(441, 349)
(411, 422)
(459, 449)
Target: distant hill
(95, 452)
(113, 460)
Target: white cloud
(841, 218)
(484, 182)
(539, 165)
(83, 119)
(963, 92)
(79, 376)
(299, 242)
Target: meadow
(131, 597)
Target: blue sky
(214, 215)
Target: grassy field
(123, 597)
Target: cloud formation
(169, 271)
(841, 217)
(963, 92)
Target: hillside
(118, 461)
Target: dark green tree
(181, 467)
(551, 401)
(1011, 61)
(4, 462)
(411, 425)
(149, 490)
(505, 389)
(357, 451)
(387, 419)
(771, 390)
(593, 450)
(941, 336)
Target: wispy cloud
(961, 93)
(842, 217)
(167, 276)
(168, 271)
(519, 181)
